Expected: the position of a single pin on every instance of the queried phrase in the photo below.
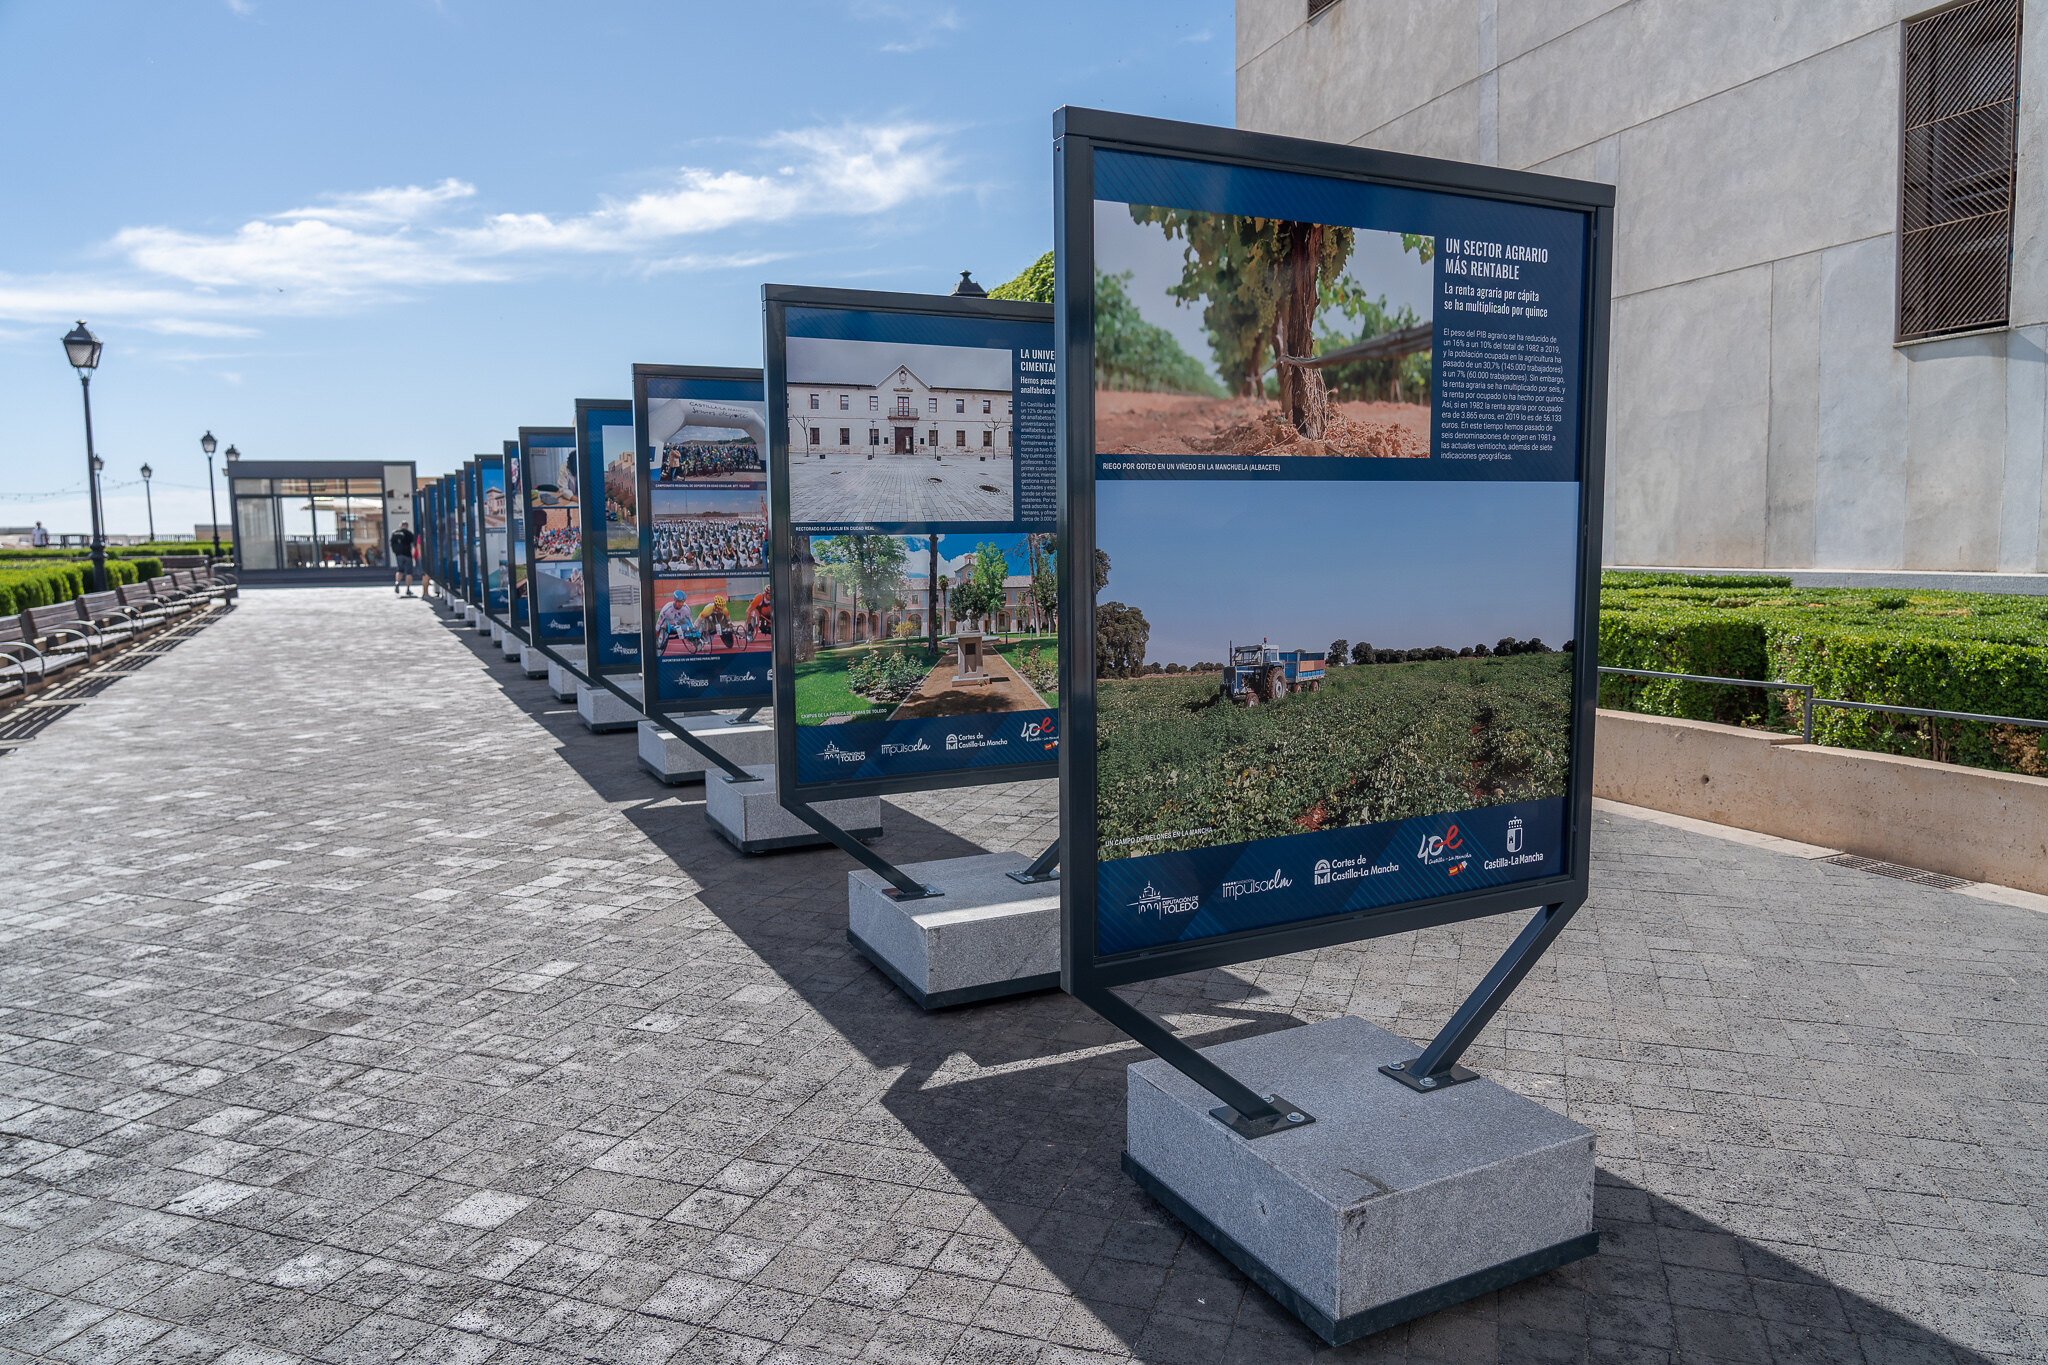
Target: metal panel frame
(1084, 974)
(776, 300)
(596, 559)
(650, 662)
(527, 442)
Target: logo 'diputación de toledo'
(1150, 902)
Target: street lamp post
(82, 349)
(207, 444)
(149, 503)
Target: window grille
(1958, 123)
(1316, 7)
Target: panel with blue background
(1337, 444)
(553, 514)
(922, 497)
(702, 510)
(611, 536)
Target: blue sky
(403, 228)
(1403, 565)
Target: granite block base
(532, 662)
(750, 817)
(1390, 1205)
(983, 937)
(604, 711)
(674, 762)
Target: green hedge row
(1978, 652)
(156, 550)
(43, 584)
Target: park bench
(154, 605)
(50, 627)
(170, 590)
(205, 585)
(23, 665)
(116, 618)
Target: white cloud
(390, 205)
(909, 27)
(359, 247)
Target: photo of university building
(838, 620)
(901, 415)
(881, 434)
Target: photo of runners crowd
(711, 616)
(731, 459)
(698, 545)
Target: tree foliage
(1032, 285)
(1121, 635)
(1261, 281)
(1131, 353)
(868, 567)
(980, 591)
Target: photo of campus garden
(1223, 335)
(885, 614)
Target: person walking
(402, 544)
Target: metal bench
(167, 590)
(144, 598)
(113, 616)
(193, 581)
(47, 628)
(22, 665)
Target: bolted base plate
(1289, 1118)
(1428, 1085)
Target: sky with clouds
(403, 228)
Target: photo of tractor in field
(1260, 672)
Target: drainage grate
(1904, 874)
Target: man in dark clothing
(402, 544)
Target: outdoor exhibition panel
(913, 464)
(515, 541)
(551, 476)
(1332, 426)
(471, 506)
(611, 539)
(493, 579)
(702, 497)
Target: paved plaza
(866, 484)
(357, 1005)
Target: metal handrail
(1806, 728)
(1805, 689)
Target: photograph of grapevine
(1181, 765)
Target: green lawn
(822, 690)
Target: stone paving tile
(357, 1005)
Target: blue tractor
(1260, 672)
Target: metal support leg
(1244, 1112)
(906, 887)
(733, 771)
(1042, 870)
(1437, 1068)
(743, 717)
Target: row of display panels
(1332, 463)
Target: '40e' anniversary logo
(1446, 848)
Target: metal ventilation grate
(1958, 120)
(1904, 874)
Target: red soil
(1180, 424)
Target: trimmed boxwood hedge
(39, 585)
(1979, 652)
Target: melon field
(1180, 767)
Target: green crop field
(1383, 742)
